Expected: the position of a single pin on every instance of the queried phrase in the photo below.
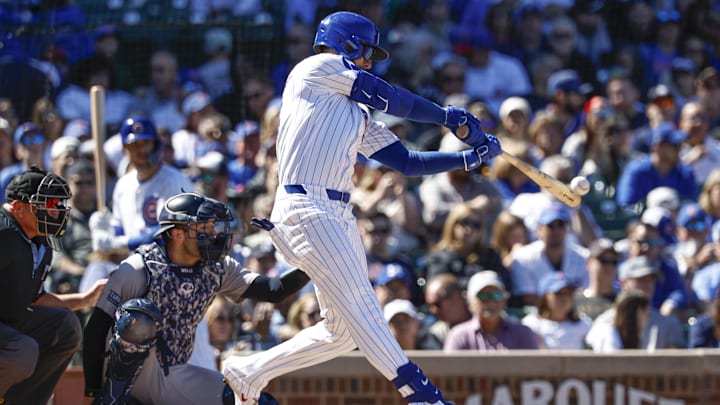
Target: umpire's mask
(48, 193)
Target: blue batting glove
(459, 117)
(455, 117)
(490, 149)
(262, 223)
(472, 159)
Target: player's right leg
(334, 258)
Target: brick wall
(672, 377)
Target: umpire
(39, 333)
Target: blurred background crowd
(623, 92)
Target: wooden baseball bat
(557, 188)
(97, 122)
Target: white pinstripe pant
(320, 236)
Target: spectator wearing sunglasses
(602, 272)
(375, 231)
(553, 252)
(489, 329)
(29, 142)
(441, 192)
(669, 293)
(463, 249)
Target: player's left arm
(375, 92)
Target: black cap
(24, 185)
(80, 166)
(658, 92)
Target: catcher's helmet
(350, 35)
(191, 209)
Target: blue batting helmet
(137, 129)
(350, 35)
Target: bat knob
(462, 132)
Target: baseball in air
(580, 185)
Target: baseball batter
(324, 123)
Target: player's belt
(334, 195)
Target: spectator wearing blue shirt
(705, 329)
(669, 293)
(706, 282)
(246, 147)
(662, 167)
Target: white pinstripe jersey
(321, 128)
(136, 204)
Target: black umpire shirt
(24, 263)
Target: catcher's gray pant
(185, 384)
(34, 354)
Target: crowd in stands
(625, 93)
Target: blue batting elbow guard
(415, 387)
(375, 92)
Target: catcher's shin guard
(137, 324)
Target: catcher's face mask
(214, 237)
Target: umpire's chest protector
(183, 294)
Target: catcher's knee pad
(137, 322)
(136, 325)
(414, 386)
